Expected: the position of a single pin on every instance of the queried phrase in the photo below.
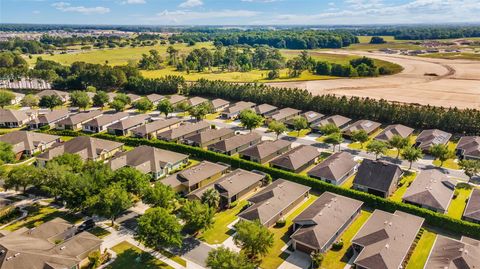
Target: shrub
(337, 245)
(280, 223)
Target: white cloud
(186, 16)
(133, 2)
(191, 3)
(67, 7)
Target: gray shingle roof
(266, 148)
(428, 138)
(209, 135)
(238, 107)
(23, 140)
(81, 117)
(129, 122)
(365, 125)
(264, 108)
(217, 103)
(392, 130)
(183, 130)
(454, 254)
(235, 182)
(156, 125)
(335, 119)
(50, 116)
(236, 141)
(107, 118)
(378, 175)
(296, 157)
(284, 113)
(470, 145)
(335, 167)
(8, 115)
(200, 172)
(472, 210)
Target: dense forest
(421, 32)
(283, 39)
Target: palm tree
(211, 197)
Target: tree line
(421, 32)
(466, 121)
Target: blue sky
(234, 12)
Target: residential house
(64, 96)
(53, 244)
(234, 110)
(335, 169)
(195, 101)
(274, 202)
(284, 114)
(377, 177)
(340, 121)
(88, 148)
(318, 226)
(155, 98)
(101, 123)
(16, 118)
(209, 137)
(196, 177)
(385, 240)
(472, 210)
(49, 118)
(232, 186)
(265, 109)
(29, 143)
(133, 97)
(266, 151)
(150, 130)
(181, 132)
(219, 104)
(125, 126)
(313, 118)
(297, 159)
(75, 122)
(235, 144)
(154, 161)
(18, 98)
(177, 99)
(392, 130)
(432, 189)
(361, 125)
(428, 138)
(468, 147)
(453, 253)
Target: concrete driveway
(296, 260)
(193, 250)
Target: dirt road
(455, 83)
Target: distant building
(29, 143)
(64, 96)
(284, 114)
(335, 169)
(49, 118)
(428, 138)
(176, 99)
(209, 137)
(154, 161)
(16, 118)
(195, 101)
(274, 202)
(100, 124)
(219, 104)
(377, 177)
(265, 109)
(468, 147)
(472, 210)
(181, 132)
(297, 159)
(74, 122)
(155, 98)
(266, 151)
(454, 254)
(234, 110)
(150, 130)
(337, 120)
(312, 117)
(361, 125)
(125, 126)
(392, 130)
(235, 144)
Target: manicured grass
(406, 179)
(450, 163)
(391, 45)
(99, 232)
(127, 255)
(337, 259)
(454, 55)
(127, 148)
(212, 116)
(276, 256)
(9, 130)
(457, 205)
(366, 39)
(115, 56)
(348, 183)
(358, 146)
(38, 214)
(66, 138)
(173, 257)
(219, 232)
(303, 133)
(422, 250)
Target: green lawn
(99, 232)
(128, 257)
(348, 183)
(457, 205)
(358, 146)
(406, 179)
(337, 259)
(422, 250)
(366, 39)
(450, 163)
(219, 231)
(212, 116)
(38, 214)
(303, 133)
(454, 55)
(276, 256)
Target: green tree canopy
(329, 129)
(160, 195)
(253, 238)
(250, 119)
(50, 101)
(360, 136)
(412, 154)
(399, 143)
(377, 147)
(6, 153)
(118, 105)
(158, 228)
(211, 197)
(470, 167)
(277, 127)
(441, 152)
(300, 123)
(131, 180)
(334, 139)
(197, 216)
(79, 99)
(224, 258)
(110, 202)
(100, 99)
(165, 107)
(6, 98)
(30, 100)
(143, 104)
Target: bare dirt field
(437, 82)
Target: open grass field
(454, 56)
(338, 259)
(116, 56)
(131, 257)
(276, 256)
(219, 232)
(392, 43)
(422, 250)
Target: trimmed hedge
(431, 217)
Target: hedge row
(431, 217)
